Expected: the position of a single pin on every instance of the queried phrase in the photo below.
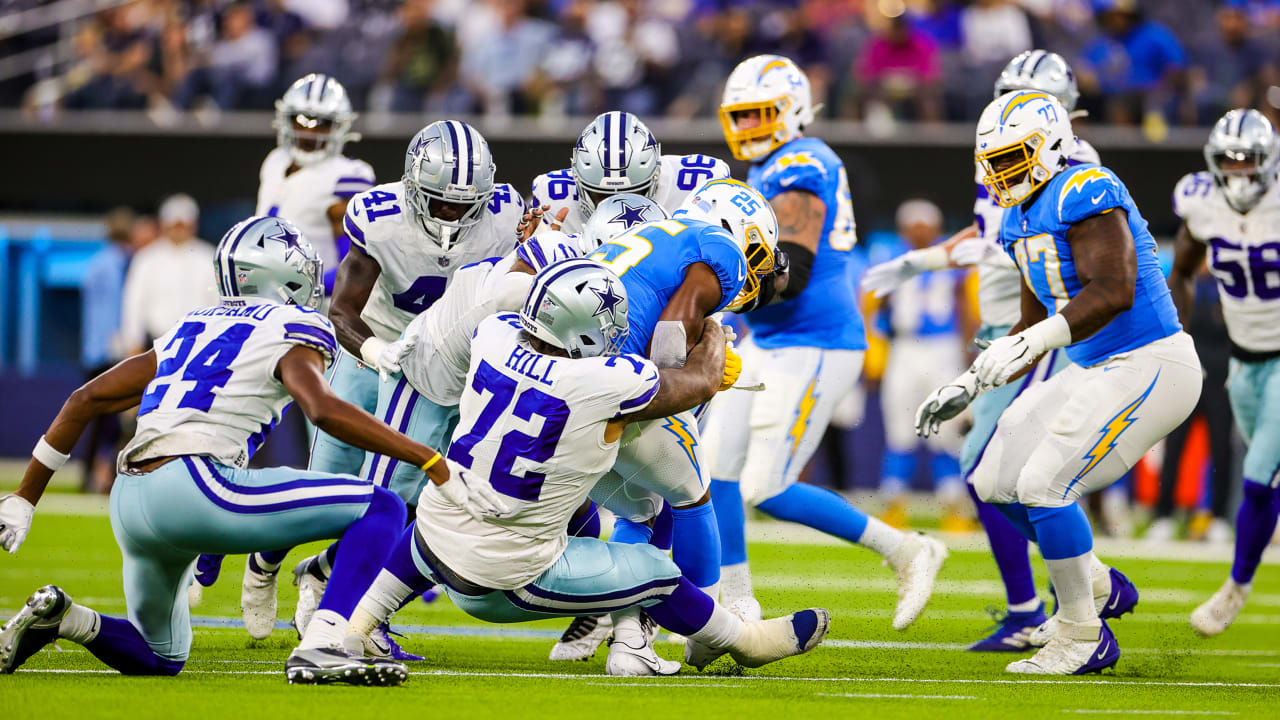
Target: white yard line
(1085, 711)
(902, 697)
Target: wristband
(1048, 334)
(370, 349)
(427, 465)
(931, 258)
(48, 456)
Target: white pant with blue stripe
(358, 385)
(190, 506)
(415, 415)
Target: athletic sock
(896, 469)
(386, 595)
(1066, 542)
(80, 624)
(946, 474)
(731, 518)
(1255, 525)
(883, 539)
(586, 524)
(322, 563)
(262, 566)
(362, 553)
(690, 612)
(696, 544)
(269, 560)
(327, 629)
(630, 532)
(1025, 607)
(1009, 548)
(119, 644)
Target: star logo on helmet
(290, 240)
(630, 215)
(652, 142)
(609, 300)
(420, 145)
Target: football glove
(884, 278)
(475, 497)
(1009, 355)
(15, 521)
(945, 403)
(973, 251)
(386, 357)
(732, 367)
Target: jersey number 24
(209, 370)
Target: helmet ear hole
(725, 224)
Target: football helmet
(546, 248)
(579, 306)
(448, 180)
(1023, 139)
(615, 153)
(1243, 135)
(779, 90)
(268, 258)
(740, 209)
(616, 215)
(1044, 71)
(313, 119)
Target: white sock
(735, 583)
(713, 590)
(722, 630)
(1027, 606)
(881, 538)
(265, 566)
(380, 602)
(322, 561)
(80, 624)
(627, 629)
(1071, 579)
(327, 629)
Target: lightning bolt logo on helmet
(1023, 140)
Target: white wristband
(931, 258)
(48, 456)
(370, 349)
(1048, 334)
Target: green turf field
(475, 670)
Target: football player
(548, 396)
(1235, 210)
(999, 308)
(407, 239)
(208, 393)
(616, 153)
(806, 344)
(1092, 284)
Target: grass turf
(477, 670)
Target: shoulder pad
(1086, 191)
(1191, 193)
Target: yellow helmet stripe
(769, 66)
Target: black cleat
(323, 666)
(33, 627)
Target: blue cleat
(1073, 650)
(1107, 654)
(32, 627)
(1122, 599)
(1012, 632)
(208, 567)
(384, 637)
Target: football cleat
(1074, 650)
(1218, 612)
(32, 627)
(1113, 595)
(747, 609)
(381, 644)
(310, 589)
(916, 564)
(323, 666)
(766, 641)
(627, 661)
(1012, 631)
(258, 600)
(582, 638)
(208, 567)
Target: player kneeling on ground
(207, 395)
(547, 397)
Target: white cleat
(1218, 612)
(916, 564)
(767, 641)
(1161, 530)
(1219, 532)
(582, 638)
(310, 588)
(747, 609)
(1074, 650)
(258, 601)
(627, 661)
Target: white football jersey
(999, 280)
(415, 271)
(532, 426)
(1243, 254)
(678, 176)
(215, 392)
(304, 197)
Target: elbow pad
(800, 265)
(667, 346)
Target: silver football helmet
(314, 118)
(268, 258)
(448, 180)
(1044, 71)
(578, 306)
(616, 215)
(546, 248)
(616, 153)
(1243, 136)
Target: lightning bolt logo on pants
(803, 411)
(676, 426)
(1110, 434)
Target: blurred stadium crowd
(1139, 61)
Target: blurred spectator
(566, 84)
(993, 31)
(242, 65)
(639, 49)
(899, 69)
(497, 66)
(1232, 70)
(167, 279)
(940, 20)
(113, 55)
(1136, 62)
(101, 294)
(421, 60)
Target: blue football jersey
(826, 314)
(1035, 235)
(651, 259)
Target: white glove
(1009, 355)
(884, 278)
(972, 251)
(474, 496)
(385, 357)
(945, 403)
(730, 334)
(15, 521)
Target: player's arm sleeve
(356, 177)
(1089, 191)
(721, 254)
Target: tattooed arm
(801, 215)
